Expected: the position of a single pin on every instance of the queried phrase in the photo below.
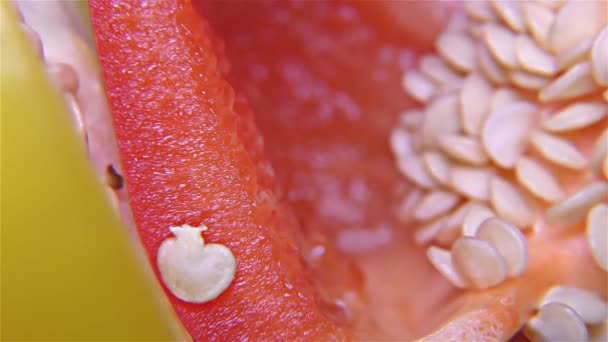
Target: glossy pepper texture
(192, 155)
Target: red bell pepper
(191, 155)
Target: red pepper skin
(192, 155)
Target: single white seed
(475, 103)
(418, 86)
(442, 260)
(441, 117)
(597, 234)
(478, 263)
(533, 58)
(556, 322)
(576, 116)
(501, 44)
(573, 209)
(458, 49)
(437, 166)
(490, 68)
(577, 81)
(471, 182)
(193, 271)
(510, 243)
(435, 203)
(591, 308)
(506, 131)
(413, 169)
(538, 180)
(401, 143)
(567, 30)
(577, 54)
(559, 151)
(510, 203)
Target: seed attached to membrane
(509, 141)
(193, 271)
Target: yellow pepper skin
(69, 271)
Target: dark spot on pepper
(113, 178)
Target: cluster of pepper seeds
(511, 106)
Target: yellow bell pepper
(68, 268)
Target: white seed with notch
(575, 116)
(474, 103)
(538, 180)
(558, 151)
(599, 58)
(458, 49)
(442, 260)
(556, 322)
(478, 263)
(590, 307)
(533, 58)
(566, 30)
(435, 203)
(193, 271)
(597, 234)
(476, 214)
(471, 182)
(573, 209)
(510, 243)
(577, 81)
(501, 44)
(510, 203)
(505, 132)
(463, 148)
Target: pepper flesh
(192, 155)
